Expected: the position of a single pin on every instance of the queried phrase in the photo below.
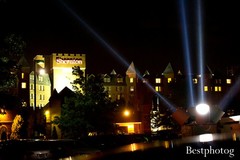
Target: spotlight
(202, 109)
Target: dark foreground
(134, 147)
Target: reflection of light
(133, 147)
(205, 137)
(202, 109)
(235, 118)
(69, 158)
(166, 144)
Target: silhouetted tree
(90, 110)
(12, 48)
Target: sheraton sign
(68, 60)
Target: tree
(10, 51)
(16, 126)
(90, 110)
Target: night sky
(148, 33)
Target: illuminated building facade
(39, 83)
(57, 75)
(59, 66)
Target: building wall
(60, 68)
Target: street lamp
(126, 113)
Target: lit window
(131, 80)
(195, 80)
(119, 80)
(131, 88)
(24, 85)
(228, 81)
(118, 96)
(158, 80)
(41, 87)
(22, 75)
(158, 88)
(109, 96)
(145, 80)
(107, 79)
(119, 88)
(40, 78)
(205, 88)
(169, 80)
(217, 88)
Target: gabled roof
(146, 73)
(66, 92)
(131, 69)
(168, 69)
(23, 62)
(113, 72)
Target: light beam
(115, 53)
(187, 57)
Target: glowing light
(235, 118)
(42, 71)
(186, 51)
(115, 53)
(126, 113)
(200, 49)
(133, 147)
(202, 109)
(205, 137)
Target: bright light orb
(126, 113)
(202, 109)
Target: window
(217, 88)
(145, 80)
(206, 88)
(119, 88)
(228, 81)
(131, 88)
(31, 86)
(118, 97)
(158, 88)
(22, 75)
(107, 79)
(119, 80)
(40, 78)
(158, 80)
(195, 80)
(24, 85)
(218, 81)
(31, 96)
(41, 87)
(131, 80)
(169, 80)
